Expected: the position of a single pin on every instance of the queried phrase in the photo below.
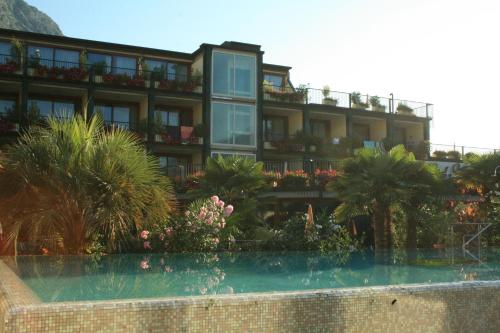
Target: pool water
(127, 276)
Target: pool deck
(449, 307)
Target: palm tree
(237, 180)
(377, 183)
(78, 182)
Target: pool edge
(388, 308)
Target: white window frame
(234, 96)
(236, 146)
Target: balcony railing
(177, 135)
(306, 95)
(69, 71)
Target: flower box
(329, 101)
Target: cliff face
(18, 15)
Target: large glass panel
(39, 107)
(66, 58)
(40, 55)
(101, 63)
(233, 124)
(105, 112)
(244, 76)
(157, 68)
(223, 118)
(124, 65)
(6, 107)
(274, 128)
(5, 52)
(167, 118)
(244, 125)
(319, 129)
(173, 118)
(121, 116)
(223, 73)
(64, 109)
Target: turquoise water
(74, 278)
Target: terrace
(305, 95)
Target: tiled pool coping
(451, 307)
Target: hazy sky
(444, 52)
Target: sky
(443, 52)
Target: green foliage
(356, 97)
(404, 108)
(377, 184)
(237, 180)
(375, 101)
(72, 180)
(99, 67)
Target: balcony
(283, 143)
(100, 74)
(306, 95)
(176, 135)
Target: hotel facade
(219, 100)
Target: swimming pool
(130, 276)
(252, 291)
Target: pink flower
(220, 204)
(144, 264)
(228, 210)
(210, 221)
(202, 214)
(169, 231)
(147, 246)
(215, 199)
(144, 234)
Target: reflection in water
(159, 275)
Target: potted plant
(375, 103)
(404, 109)
(294, 180)
(199, 133)
(453, 155)
(16, 52)
(99, 69)
(326, 97)
(356, 101)
(439, 155)
(197, 79)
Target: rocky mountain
(18, 15)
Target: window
(173, 166)
(167, 118)
(47, 108)
(275, 128)
(7, 107)
(38, 55)
(274, 80)
(233, 124)
(320, 129)
(101, 63)
(233, 75)
(50, 57)
(5, 52)
(104, 64)
(66, 58)
(177, 72)
(157, 68)
(124, 65)
(120, 116)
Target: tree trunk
(378, 228)
(411, 238)
(388, 228)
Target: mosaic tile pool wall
(455, 307)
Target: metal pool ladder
(481, 227)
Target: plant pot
(405, 112)
(268, 145)
(359, 106)
(330, 101)
(31, 71)
(98, 78)
(378, 108)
